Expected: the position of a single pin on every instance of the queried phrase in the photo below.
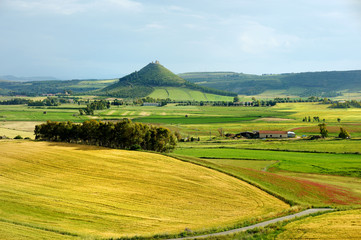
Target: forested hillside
(34, 88)
(303, 84)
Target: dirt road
(262, 224)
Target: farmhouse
(273, 134)
(148, 104)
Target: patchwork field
(53, 190)
(319, 179)
(70, 191)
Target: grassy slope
(336, 225)
(91, 191)
(182, 94)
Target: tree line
(46, 102)
(124, 134)
(346, 104)
(15, 101)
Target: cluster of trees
(346, 104)
(15, 101)
(314, 119)
(117, 102)
(324, 132)
(96, 105)
(122, 135)
(46, 102)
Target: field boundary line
(261, 224)
(61, 232)
(215, 168)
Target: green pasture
(25, 113)
(323, 163)
(297, 145)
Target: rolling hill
(143, 82)
(68, 191)
(322, 84)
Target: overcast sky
(110, 38)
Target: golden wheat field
(336, 225)
(58, 190)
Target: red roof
(273, 132)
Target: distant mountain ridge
(142, 83)
(326, 83)
(24, 79)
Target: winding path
(262, 224)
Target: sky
(80, 39)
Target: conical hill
(141, 83)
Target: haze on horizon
(71, 39)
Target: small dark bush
(135, 147)
(18, 137)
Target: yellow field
(56, 190)
(323, 111)
(337, 225)
(12, 129)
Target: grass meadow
(55, 190)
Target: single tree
(343, 133)
(323, 130)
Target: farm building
(273, 134)
(151, 104)
(264, 134)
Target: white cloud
(258, 39)
(68, 7)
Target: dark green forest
(121, 135)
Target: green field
(334, 164)
(296, 145)
(55, 190)
(179, 94)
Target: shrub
(18, 137)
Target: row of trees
(15, 101)
(122, 135)
(314, 119)
(46, 102)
